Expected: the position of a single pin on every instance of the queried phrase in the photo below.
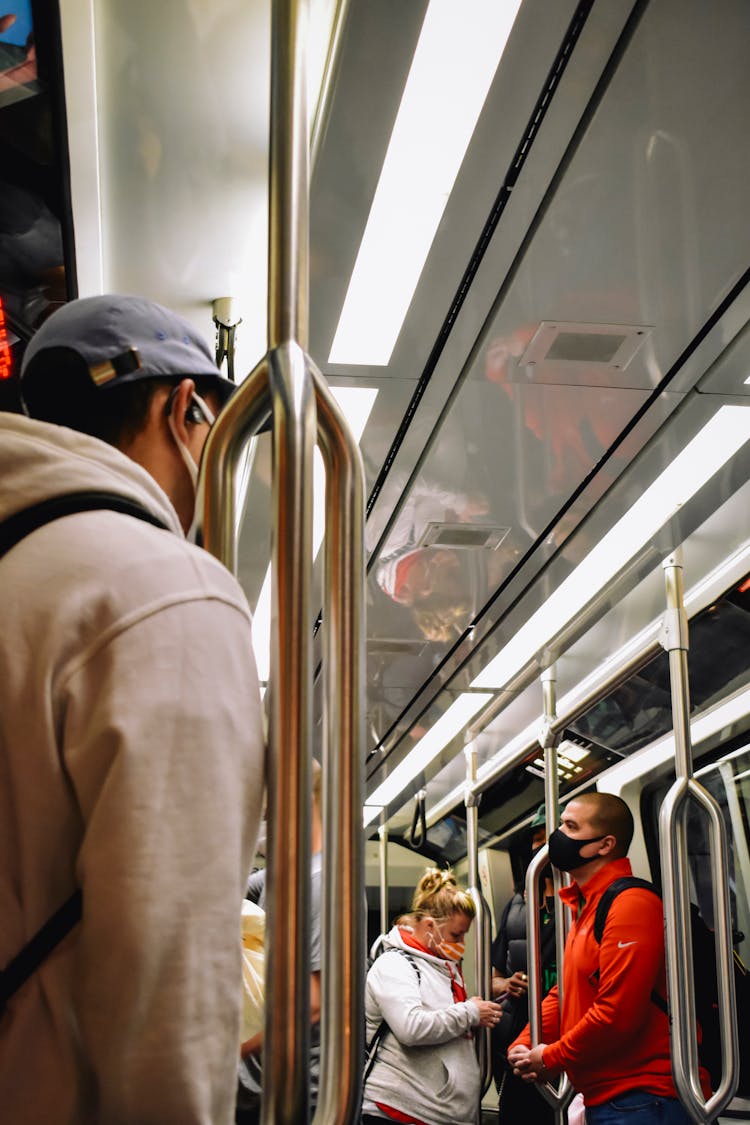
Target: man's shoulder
(138, 562)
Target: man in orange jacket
(610, 1038)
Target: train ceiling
(579, 318)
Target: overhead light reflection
(458, 53)
(356, 404)
(711, 448)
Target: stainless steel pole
(287, 1029)
(558, 1095)
(676, 885)
(343, 933)
(286, 384)
(482, 934)
(383, 858)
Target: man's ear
(178, 405)
(608, 845)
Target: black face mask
(565, 852)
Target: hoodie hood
(39, 461)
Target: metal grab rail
(343, 930)
(383, 869)
(483, 930)
(286, 384)
(674, 863)
(559, 1095)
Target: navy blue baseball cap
(121, 339)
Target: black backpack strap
(41, 945)
(18, 526)
(12, 531)
(611, 893)
(600, 919)
(383, 1028)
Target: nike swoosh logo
(623, 944)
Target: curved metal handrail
(287, 385)
(560, 1094)
(483, 929)
(343, 933)
(676, 892)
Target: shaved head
(609, 815)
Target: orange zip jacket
(612, 1038)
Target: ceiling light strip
(457, 55)
(461, 711)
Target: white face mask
(208, 417)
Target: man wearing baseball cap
(130, 733)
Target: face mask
(565, 852)
(453, 950)
(198, 407)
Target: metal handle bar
(557, 1095)
(343, 931)
(676, 884)
(483, 931)
(383, 865)
(290, 376)
(286, 384)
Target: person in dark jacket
(519, 1102)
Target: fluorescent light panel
(356, 404)
(459, 49)
(701, 458)
(461, 711)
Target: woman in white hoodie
(422, 1067)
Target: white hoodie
(131, 767)
(426, 1064)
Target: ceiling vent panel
(601, 345)
(463, 536)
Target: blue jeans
(637, 1107)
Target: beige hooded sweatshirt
(131, 767)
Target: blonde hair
(438, 895)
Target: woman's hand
(489, 1012)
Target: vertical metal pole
(676, 885)
(343, 934)
(288, 217)
(286, 384)
(482, 936)
(558, 1095)
(383, 857)
(287, 1028)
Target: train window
(640, 711)
(728, 781)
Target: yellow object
(253, 969)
